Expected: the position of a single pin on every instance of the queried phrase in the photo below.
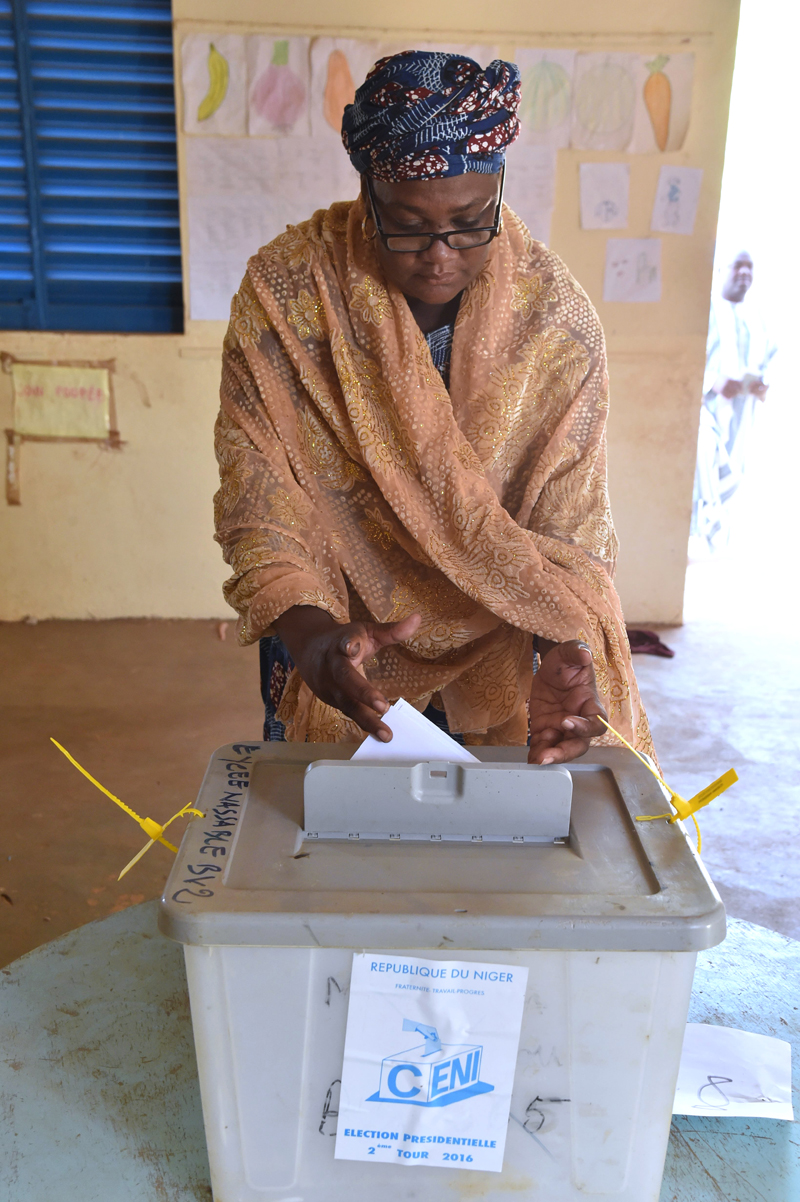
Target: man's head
(738, 278)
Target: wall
(105, 534)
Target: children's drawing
(604, 101)
(214, 83)
(530, 187)
(339, 89)
(675, 206)
(338, 66)
(604, 195)
(546, 103)
(633, 270)
(663, 102)
(278, 70)
(658, 99)
(218, 76)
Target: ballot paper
(414, 737)
(429, 1061)
(734, 1074)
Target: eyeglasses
(412, 244)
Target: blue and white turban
(424, 115)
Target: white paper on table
(605, 188)
(675, 205)
(278, 94)
(633, 270)
(603, 101)
(338, 67)
(429, 1060)
(244, 192)
(229, 117)
(734, 1074)
(679, 70)
(530, 186)
(414, 737)
(546, 104)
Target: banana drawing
(217, 85)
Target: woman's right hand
(327, 653)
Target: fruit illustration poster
(429, 1062)
(279, 86)
(663, 102)
(214, 77)
(546, 105)
(603, 101)
(338, 66)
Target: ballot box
(303, 859)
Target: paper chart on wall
(677, 194)
(546, 103)
(279, 86)
(604, 101)
(214, 77)
(734, 1074)
(633, 270)
(605, 189)
(663, 85)
(244, 192)
(530, 186)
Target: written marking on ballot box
(429, 1061)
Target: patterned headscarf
(423, 115)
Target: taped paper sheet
(546, 104)
(675, 206)
(530, 187)
(52, 401)
(244, 192)
(663, 102)
(734, 1074)
(214, 75)
(633, 270)
(279, 86)
(605, 188)
(413, 738)
(604, 101)
(429, 1061)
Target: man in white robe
(738, 354)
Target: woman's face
(457, 202)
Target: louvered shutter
(101, 172)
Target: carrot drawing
(658, 99)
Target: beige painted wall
(128, 533)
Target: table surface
(99, 1092)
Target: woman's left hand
(564, 705)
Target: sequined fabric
(352, 480)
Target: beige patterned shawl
(352, 480)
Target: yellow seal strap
(153, 830)
(684, 808)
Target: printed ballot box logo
(431, 1073)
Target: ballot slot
(436, 801)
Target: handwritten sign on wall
(61, 402)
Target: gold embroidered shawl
(352, 480)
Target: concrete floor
(141, 704)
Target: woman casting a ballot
(412, 445)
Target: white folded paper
(734, 1074)
(413, 738)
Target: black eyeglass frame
(492, 230)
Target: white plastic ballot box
(497, 863)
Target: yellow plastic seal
(684, 809)
(153, 830)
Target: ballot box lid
(246, 875)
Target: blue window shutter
(99, 246)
